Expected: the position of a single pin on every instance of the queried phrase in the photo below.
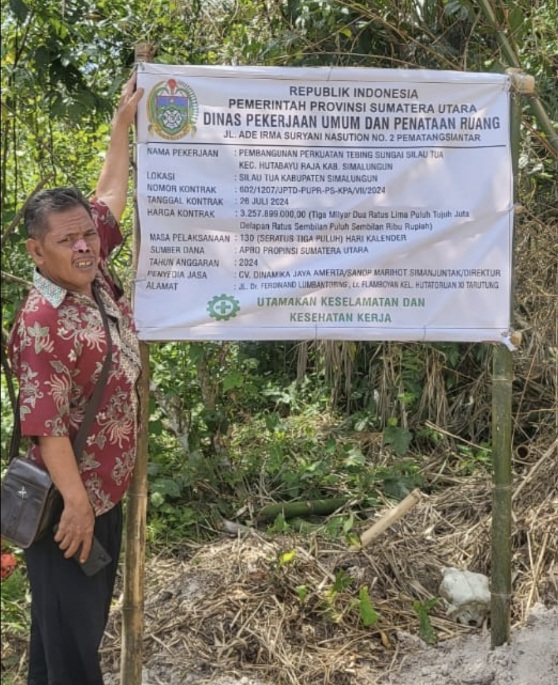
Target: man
(57, 348)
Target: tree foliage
(62, 67)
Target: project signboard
(323, 203)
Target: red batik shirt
(57, 348)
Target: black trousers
(69, 610)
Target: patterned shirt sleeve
(46, 362)
(111, 237)
(107, 227)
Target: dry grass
(234, 608)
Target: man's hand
(78, 518)
(112, 185)
(75, 530)
(128, 104)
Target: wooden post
(500, 587)
(390, 517)
(136, 505)
(502, 431)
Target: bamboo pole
(501, 499)
(136, 509)
(319, 507)
(502, 431)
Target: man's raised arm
(112, 186)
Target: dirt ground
(287, 610)
(255, 608)
(259, 609)
(530, 658)
(225, 617)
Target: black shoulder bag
(30, 501)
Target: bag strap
(16, 434)
(92, 405)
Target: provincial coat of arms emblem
(172, 109)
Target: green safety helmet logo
(223, 307)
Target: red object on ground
(8, 565)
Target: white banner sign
(330, 203)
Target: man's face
(68, 254)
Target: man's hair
(47, 202)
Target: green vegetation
(422, 609)
(238, 426)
